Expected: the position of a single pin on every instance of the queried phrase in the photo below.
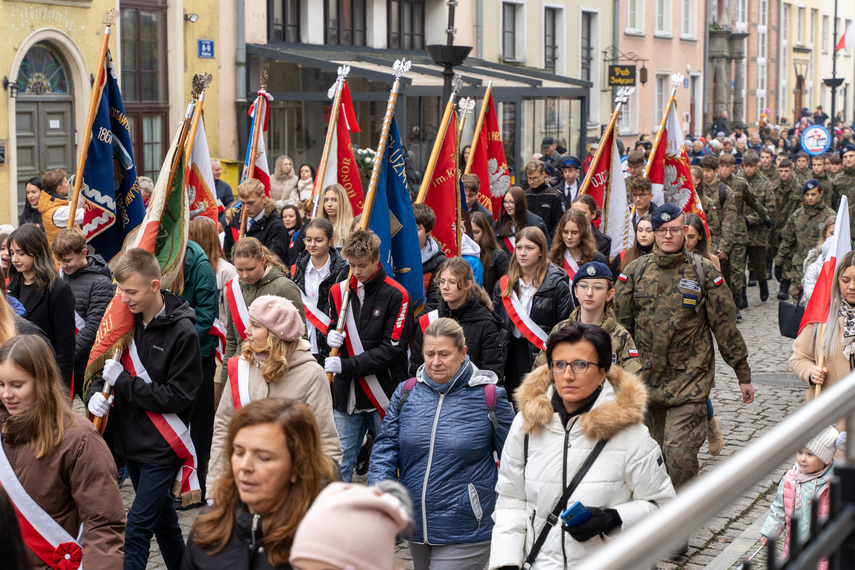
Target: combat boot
(752, 281)
(784, 294)
(715, 441)
(738, 301)
(744, 300)
(738, 316)
(764, 290)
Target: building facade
(761, 61)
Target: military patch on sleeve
(691, 285)
(614, 358)
(622, 277)
(690, 300)
(718, 280)
(633, 352)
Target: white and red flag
(608, 189)
(670, 172)
(489, 163)
(443, 192)
(261, 171)
(820, 301)
(200, 178)
(847, 40)
(341, 165)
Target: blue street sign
(206, 49)
(686, 82)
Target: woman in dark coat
(514, 217)
(30, 214)
(493, 258)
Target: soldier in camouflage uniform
(801, 234)
(670, 301)
(591, 312)
(802, 173)
(819, 173)
(768, 167)
(788, 197)
(844, 183)
(710, 187)
(758, 226)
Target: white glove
(111, 371)
(210, 502)
(332, 365)
(335, 339)
(99, 405)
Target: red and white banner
(237, 307)
(314, 315)
(510, 243)
(570, 265)
(239, 381)
(261, 172)
(847, 40)
(341, 164)
(489, 163)
(820, 302)
(219, 331)
(426, 320)
(529, 329)
(200, 178)
(608, 189)
(443, 192)
(670, 172)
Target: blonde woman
(336, 208)
(283, 183)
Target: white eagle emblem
(500, 181)
(674, 190)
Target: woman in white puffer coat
(566, 407)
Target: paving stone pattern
(778, 395)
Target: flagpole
(622, 96)
(109, 18)
(343, 70)
(478, 126)
(200, 84)
(465, 107)
(440, 136)
(676, 80)
(260, 111)
(400, 67)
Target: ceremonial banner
(113, 202)
(342, 167)
(608, 190)
(200, 178)
(261, 172)
(443, 194)
(489, 163)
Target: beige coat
(284, 191)
(304, 381)
(805, 354)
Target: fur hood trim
(622, 404)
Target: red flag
(847, 40)
(820, 302)
(341, 164)
(670, 173)
(600, 177)
(200, 178)
(442, 194)
(489, 163)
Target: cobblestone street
(734, 533)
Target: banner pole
(478, 126)
(343, 70)
(260, 110)
(440, 136)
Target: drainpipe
(708, 73)
(479, 19)
(241, 105)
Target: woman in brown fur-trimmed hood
(566, 406)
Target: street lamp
(449, 55)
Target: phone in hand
(575, 514)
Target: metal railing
(658, 535)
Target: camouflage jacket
(761, 189)
(771, 174)
(733, 228)
(713, 209)
(788, 197)
(801, 233)
(802, 176)
(844, 185)
(624, 353)
(670, 311)
(827, 188)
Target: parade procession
(272, 303)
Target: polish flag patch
(633, 352)
(718, 280)
(622, 277)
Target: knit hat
(593, 270)
(351, 526)
(665, 213)
(279, 316)
(824, 445)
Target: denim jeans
(152, 512)
(351, 431)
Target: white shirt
(312, 282)
(527, 291)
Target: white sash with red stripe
(43, 535)
(239, 381)
(427, 319)
(79, 323)
(219, 331)
(237, 307)
(174, 431)
(529, 329)
(510, 243)
(570, 265)
(314, 315)
(370, 384)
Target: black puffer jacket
(482, 329)
(499, 261)
(385, 324)
(546, 202)
(270, 231)
(604, 242)
(338, 272)
(550, 305)
(243, 551)
(530, 220)
(92, 286)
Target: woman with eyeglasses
(594, 288)
(566, 407)
(316, 270)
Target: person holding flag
(263, 221)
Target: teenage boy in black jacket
(154, 393)
(366, 379)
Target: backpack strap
(490, 397)
(639, 267)
(722, 194)
(405, 393)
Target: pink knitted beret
(279, 316)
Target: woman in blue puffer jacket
(440, 432)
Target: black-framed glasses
(577, 366)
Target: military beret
(665, 213)
(593, 270)
(847, 148)
(570, 161)
(811, 184)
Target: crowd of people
(541, 370)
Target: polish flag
(847, 40)
(262, 170)
(820, 302)
(608, 189)
(200, 178)
(670, 172)
(341, 164)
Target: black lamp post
(835, 81)
(449, 55)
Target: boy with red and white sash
(154, 385)
(373, 347)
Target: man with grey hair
(222, 190)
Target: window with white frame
(800, 25)
(785, 24)
(846, 52)
(742, 12)
(812, 33)
(551, 28)
(635, 16)
(626, 115)
(825, 34)
(688, 17)
(661, 95)
(586, 46)
(512, 32)
(662, 17)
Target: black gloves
(601, 522)
(779, 273)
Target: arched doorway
(798, 99)
(44, 115)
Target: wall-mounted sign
(621, 76)
(206, 49)
(815, 140)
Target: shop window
(406, 24)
